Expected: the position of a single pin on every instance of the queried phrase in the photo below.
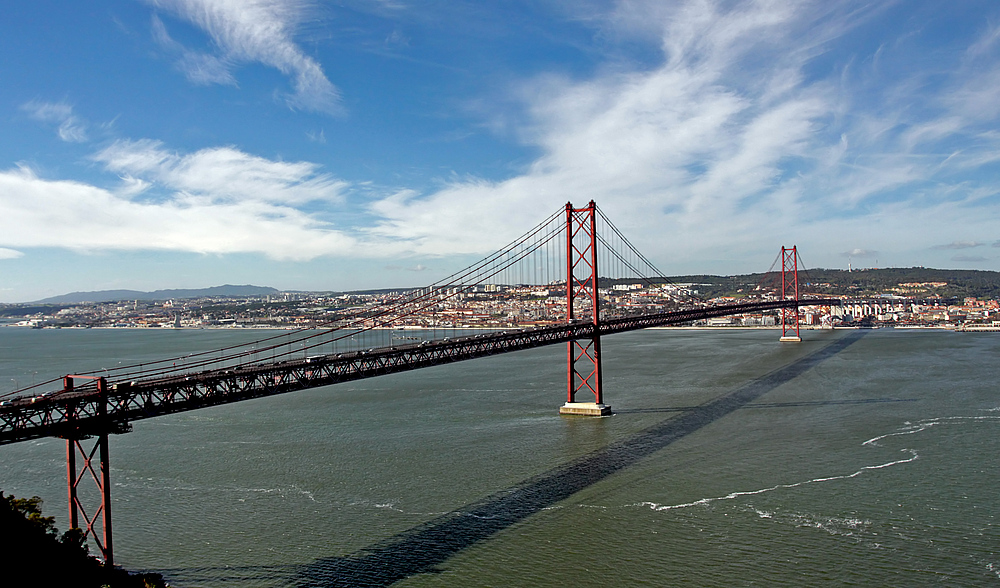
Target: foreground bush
(33, 554)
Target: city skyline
(308, 146)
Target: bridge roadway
(84, 412)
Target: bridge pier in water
(583, 355)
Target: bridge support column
(790, 291)
(584, 354)
(101, 479)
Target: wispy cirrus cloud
(70, 127)
(220, 174)
(721, 129)
(759, 117)
(250, 31)
(201, 68)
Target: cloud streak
(250, 31)
(220, 174)
(69, 127)
(959, 245)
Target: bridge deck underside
(77, 414)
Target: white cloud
(732, 144)
(960, 245)
(70, 128)
(200, 68)
(860, 253)
(9, 253)
(219, 173)
(35, 212)
(131, 186)
(680, 137)
(251, 31)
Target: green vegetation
(31, 549)
(17, 310)
(957, 283)
(869, 282)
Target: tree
(32, 550)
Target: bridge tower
(790, 291)
(102, 480)
(583, 354)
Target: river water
(854, 457)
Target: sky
(332, 146)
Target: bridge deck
(83, 412)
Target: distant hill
(946, 283)
(113, 295)
(920, 282)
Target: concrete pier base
(585, 409)
(791, 339)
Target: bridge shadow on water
(772, 405)
(423, 548)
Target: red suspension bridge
(572, 251)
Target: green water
(875, 465)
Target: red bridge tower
(790, 291)
(583, 355)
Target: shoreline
(947, 327)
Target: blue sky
(150, 144)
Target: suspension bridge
(577, 253)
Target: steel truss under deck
(83, 412)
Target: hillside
(114, 295)
(920, 282)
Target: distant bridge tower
(583, 355)
(790, 291)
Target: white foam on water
(150, 484)
(909, 429)
(705, 501)
(847, 527)
(995, 568)
(282, 492)
(392, 506)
